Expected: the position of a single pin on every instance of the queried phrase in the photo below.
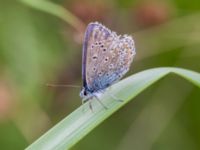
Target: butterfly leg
(90, 106)
(115, 98)
(100, 102)
(83, 108)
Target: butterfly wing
(106, 57)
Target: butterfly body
(106, 58)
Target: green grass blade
(79, 123)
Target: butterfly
(106, 58)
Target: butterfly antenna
(62, 85)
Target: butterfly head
(84, 94)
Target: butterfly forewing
(106, 57)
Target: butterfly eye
(85, 93)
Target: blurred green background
(37, 48)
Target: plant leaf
(80, 122)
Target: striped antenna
(63, 85)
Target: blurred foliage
(37, 48)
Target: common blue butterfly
(106, 57)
